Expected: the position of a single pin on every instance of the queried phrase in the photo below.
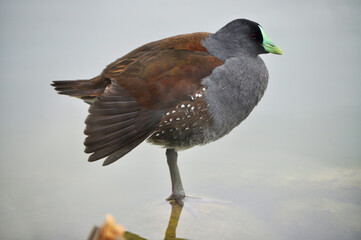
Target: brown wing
(161, 79)
(144, 85)
(116, 125)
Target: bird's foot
(177, 198)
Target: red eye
(253, 36)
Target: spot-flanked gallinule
(177, 92)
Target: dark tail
(86, 90)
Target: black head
(243, 37)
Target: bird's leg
(177, 187)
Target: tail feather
(116, 124)
(86, 90)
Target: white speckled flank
(184, 127)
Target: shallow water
(238, 198)
(292, 170)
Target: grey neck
(225, 46)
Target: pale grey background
(292, 170)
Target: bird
(178, 92)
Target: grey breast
(233, 90)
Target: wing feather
(115, 123)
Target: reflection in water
(170, 233)
(113, 231)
